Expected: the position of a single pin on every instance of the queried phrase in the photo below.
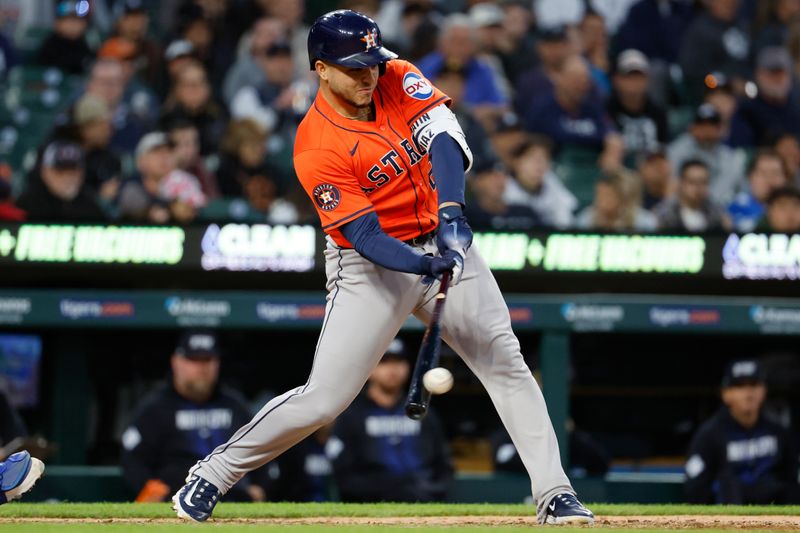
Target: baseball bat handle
(419, 397)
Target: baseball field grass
(371, 518)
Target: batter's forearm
(367, 237)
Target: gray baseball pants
(366, 307)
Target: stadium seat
(577, 168)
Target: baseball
(438, 380)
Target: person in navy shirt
(182, 421)
(739, 456)
(572, 115)
(378, 453)
(775, 110)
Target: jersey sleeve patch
(416, 86)
(327, 196)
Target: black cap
(396, 350)
(62, 154)
(743, 372)
(707, 113)
(198, 344)
(775, 58)
(553, 33)
(279, 48)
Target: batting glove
(450, 260)
(454, 232)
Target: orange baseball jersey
(350, 167)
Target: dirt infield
(775, 523)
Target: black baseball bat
(428, 357)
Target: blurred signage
(242, 247)
(39, 243)
(761, 256)
(562, 252)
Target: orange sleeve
(416, 93)
(332, 186)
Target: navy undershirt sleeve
(369, 240)
(447, 161)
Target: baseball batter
(383, 159)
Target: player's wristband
(450, 212)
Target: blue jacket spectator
(656, 28)
(457, 47)
(774, 110)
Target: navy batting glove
(450, 260)
(454, 232)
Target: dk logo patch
(416, 86)
(327, 196)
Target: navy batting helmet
(347, 38)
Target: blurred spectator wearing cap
(132, 24)
(92, 119)
(492, 39)
(66, 47)
(177, 54)
(553, 47)
(537, 187)
(573, 115)
(133, 111)
(783, 211)
(161, 192)
(191, 99)
(642, 123)
(692, 209)
(488, 209)
(739, 456)
(774, 109)
(409, 26)
(378, 453)
(182, 421)
(247, 70)
(703, 141)
(457, 47)
(658, 182)
(715, 40)
(765, 174)
(278, 102)
(57, 191)
(185, 141)
(617, 205)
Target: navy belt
(421, 239)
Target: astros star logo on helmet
(370, 39)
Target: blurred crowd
(631, 115)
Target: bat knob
(416, 411)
